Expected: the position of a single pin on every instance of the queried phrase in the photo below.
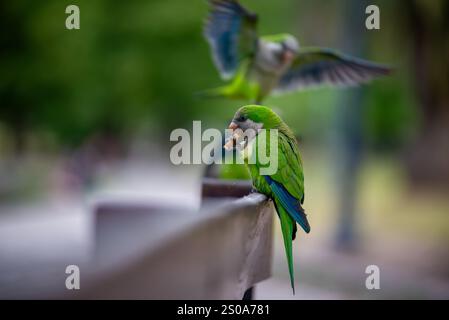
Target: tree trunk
(428, 158)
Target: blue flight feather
(223, 30)
(290, 203)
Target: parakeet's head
(247, 123)
(290, 43)
(288, 46)
(255, 117)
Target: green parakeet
(286, 185)
(258, 66)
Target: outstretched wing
(231, 32)
(315, 67)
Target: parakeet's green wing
(290, 173)
(287, 184)
(320, 66)
(231, 32)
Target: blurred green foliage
(135, 66)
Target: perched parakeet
(258, 66)
(286, 185)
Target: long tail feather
(287, 224)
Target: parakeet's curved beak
(229, 145)
(288, 56)
(233, 125)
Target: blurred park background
(89, 112)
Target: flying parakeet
(257, 65)
(286, 185)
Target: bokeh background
(89, 112)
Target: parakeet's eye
(242, 118)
